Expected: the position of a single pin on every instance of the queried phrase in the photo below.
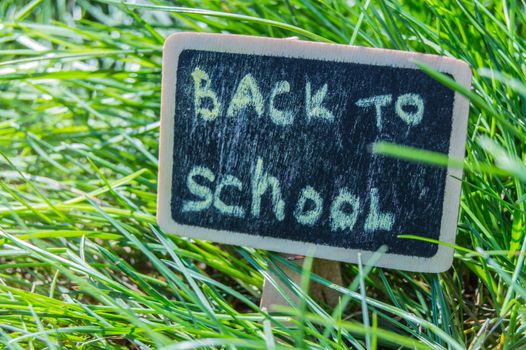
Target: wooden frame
(178, 42)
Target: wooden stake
(328, 269)
(331, 271)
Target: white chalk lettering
(377, 220)
(277, 116)
(260, 183)
(231, 210)
(199, 190)
(339, 219)
(247, 95)
(344, 210)
(411, 118)
(313, 104)
(378, 102)
(310, 217)
(202, 92)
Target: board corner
(441, 261)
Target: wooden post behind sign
(328, 269)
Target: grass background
(82, 261)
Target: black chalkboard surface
(267, 143)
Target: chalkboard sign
(267, 143)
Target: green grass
(82, 261)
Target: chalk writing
(200, 191)
(313, 104)
(411, 118)
(378, 102)
(233, 210)
(260, 183)
(277, 116)
(203, 92)
(308, 217)
(344, 209)
(341, 219)
(247, 95)
(279, 147)
(377, 220)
